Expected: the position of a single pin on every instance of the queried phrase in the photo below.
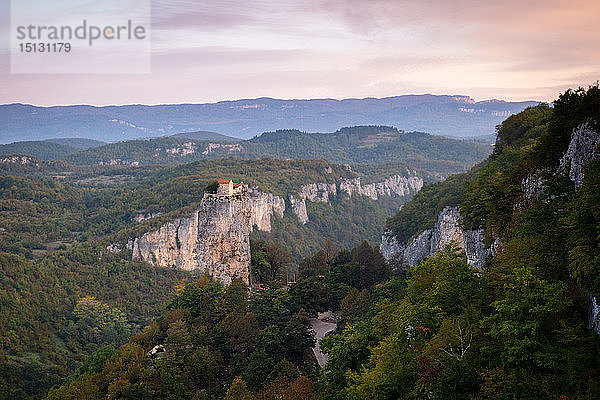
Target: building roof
(226, 181)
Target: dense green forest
(51, 149)
(517, 329)
(57, 309)
(369, 144)
(360, 144)
(26, 165)
(526, 323)
(224, 343)
(79, 321)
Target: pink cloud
(207, 51)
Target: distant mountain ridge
(444, 115)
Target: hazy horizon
(205, 52)
(271, 98)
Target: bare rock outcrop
(392, 186)
(406, 254)
(141, 217)
(583, 148)
(315, 192)
(299, 208)
(594, 315)
(532, 187)
(184, 150)
(225, 148)
(19, 159)
(318, 192)
(214, 239)
(447, 230)
(262, 207)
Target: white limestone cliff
(392, 186)
(262, 207)
(214, 239)
(318, 192)
(447, 230)
(141, 217)
(583, 147)
(299, 208)
(19, 159)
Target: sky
(207, 51)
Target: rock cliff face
(315, 192)
(185, 149)
(318, 192)
(392, 186)
(299, 208)
(141, 217)
(532, 187)
(19, 159)
(583, 148)
(594, 316)
(447, 230)
(262, 207)
(226, 148)
(215, 239)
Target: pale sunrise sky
(206, 51)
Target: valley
(300, 200)
(190, 268)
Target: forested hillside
(518, 328)
(367, 144)
(44, 150)
(217, 342)
(360, 144)
(51, 149)
(62, 307)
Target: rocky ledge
(446, 231)
(392, 186)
